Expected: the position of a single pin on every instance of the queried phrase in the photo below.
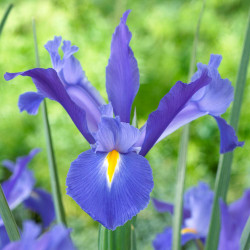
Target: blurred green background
(162, 42)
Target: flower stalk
(225, 163)
(60, 214)
(181, 170)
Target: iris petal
(169, 107)
(19, 186)
(41, 202)
(228, 139)
(30, 102)
(4, 238)
(122, 74)
(199, 201)
(216, 97)
(111, 205)
(163, 241)
(233, 220)
(113, 134)
(162, 207)
(50, 86)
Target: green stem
(123, 238)
(181, 170)
(60, 214)
(7, 12)
(8, 218)
(225, 163)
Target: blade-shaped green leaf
(181, 170)
(8, 219)
(5, 16)
(56, 193)
(224, 168)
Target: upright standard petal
(170, 106)
(75, 81)
(122, 74)
(49, 85)
(110, 187)
(41, 203)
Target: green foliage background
(162, 42)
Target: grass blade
(56, 193)
(225, 163)
(5, 212)
(5, 16)
(245, 237)
(8, 218)
(181, 170)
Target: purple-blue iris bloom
(19, 188)
(233, 220)
(112, 181)
(197, 210)
(58, 238)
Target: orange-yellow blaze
(188, 230)
(112, 158)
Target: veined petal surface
(122, 74)
(111, 203)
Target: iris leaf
(57, 198)
(181, 170)
(5, 212)
(8, 218)
(5, 16)
(225, 163)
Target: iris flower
(197, 208)
(233, 220)
(58, 238)
(20, 188)
(112, 181)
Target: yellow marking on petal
(188, 230)
(112, 158)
